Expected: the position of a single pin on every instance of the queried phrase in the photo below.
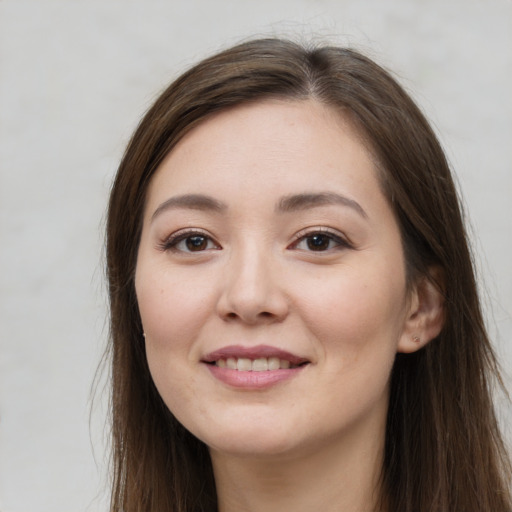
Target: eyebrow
(287, 204)
(298, 202)
(191, 202)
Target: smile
(261, 364)
(253, 367)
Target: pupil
(196, 243)
(318, 242)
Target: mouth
(261, 358)
(261, 364)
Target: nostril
(241, 305)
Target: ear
(425, 317)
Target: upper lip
(256, 352)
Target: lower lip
(253, 380)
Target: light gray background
(75, 76)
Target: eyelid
(336, 235)
(171, 241)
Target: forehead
(279, 143)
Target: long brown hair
(444, 451)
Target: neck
(343, 476)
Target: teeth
(244, 365)
(262, 364)
(274, 363)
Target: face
(271, 282)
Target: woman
(294, 316)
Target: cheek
(357, 322)
(170, 310)
(356, 312)
(170, 306)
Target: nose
(252, 291)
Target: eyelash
(303, 236)
(173, 241)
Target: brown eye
(196, 243)
(318, 242)
(189, 241)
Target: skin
(315, 441)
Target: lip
(256, 352)
(252, 380)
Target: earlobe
(426, 313)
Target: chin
(254, 440)
(254, 448)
